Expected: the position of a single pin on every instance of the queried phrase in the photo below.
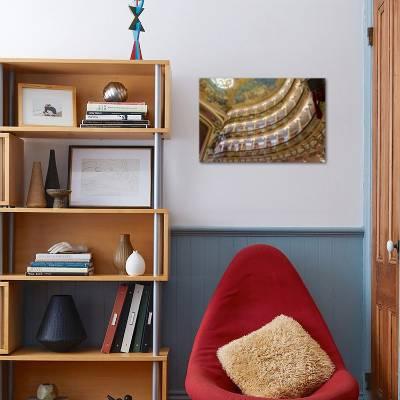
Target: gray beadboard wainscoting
(330, 262)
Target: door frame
(367, 243)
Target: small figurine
(46, 391)
(126, 397)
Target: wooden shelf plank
(47, 132)
(39, 354)
(83, 210)
(92, 67)
(92, 278)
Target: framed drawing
(46, 105)
(110, 176)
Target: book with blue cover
(60, 264)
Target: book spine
(113, 126)
(113, 117)
(127, 113)
(82, 257)
(119, 103)
(58, 269)
(140, 108)
(116, 122)
(141, 321)
(115, 315)
(132, 318)
(62, 264)
(58, 274)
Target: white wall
(264, 38)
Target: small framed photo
(111, 176)
(46, 105)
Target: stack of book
(62, 264)
(131, 323)
(115, 115)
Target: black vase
(52, 181)
(61, 328)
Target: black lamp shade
(61, 328)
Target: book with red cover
(115, 316)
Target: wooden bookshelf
(27, 231)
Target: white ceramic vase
(135, 264)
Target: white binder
(132, 317)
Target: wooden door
(386, 177)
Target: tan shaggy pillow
(279, 360)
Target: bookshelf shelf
(90, 354)
(26, 210)
(84, 133)
(93, 278)
(78, 67)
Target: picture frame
(98, 175)
(46, 105)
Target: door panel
(386, 198)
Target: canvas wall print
(262, 120)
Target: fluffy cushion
(279, 360)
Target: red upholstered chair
(259, 285)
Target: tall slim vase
(52, 181)
(36, 197)
(122, 252)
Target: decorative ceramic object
(59, 196)
(136, 27)
(52, 181)
(46, 391)
(65, 247)
(135, 264)
(61, 328)
(36, 196)
(115, 92)
(123, 251)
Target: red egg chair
(260, 284)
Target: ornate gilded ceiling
(262, 120)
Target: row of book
(115, 115)
(62, 264)
(131, 322)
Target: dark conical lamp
(61, 328)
